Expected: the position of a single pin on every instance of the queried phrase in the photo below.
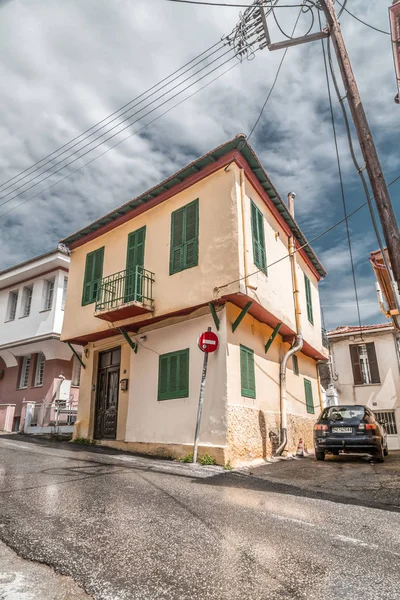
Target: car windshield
(343, 413)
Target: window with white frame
(76, 372)
(24, 375)
(64, 295)
(12, 305)
(39, 375)
(48, 294)
(27, 301)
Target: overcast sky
(65, 65)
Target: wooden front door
(106, 413)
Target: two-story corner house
(207, 247)
(366, 367)
(32, 358)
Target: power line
(317, 237)
(99, 137)
(240, 146)
(225, 4)
(163, 81)
(120, 141)
(360, 20)
(341, 179)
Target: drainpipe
(298, 345)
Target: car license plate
(342, 429)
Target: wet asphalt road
(128, 528)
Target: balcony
(125, 294)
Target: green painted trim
(272, 337)
(129, 340)
(214, 315)
(241, 316)
(76, 354)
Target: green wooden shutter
(191, 235)
(184, 238)
(93, 276)
(295, 363)
(257, 229)
(309, 396)
(247, 373)
(309, 299)
(135, 258)
(173, 375)
(177, 225)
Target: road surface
(128, 528)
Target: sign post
(208, 342)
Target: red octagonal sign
(208, 341)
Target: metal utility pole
(373, 167)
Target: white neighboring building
(32, 358)
(367, 366)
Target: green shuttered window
(173, 375)
(309, 396)
(295, 364)
(247, 374)
(308, 299)
(93, 276)
(134, 265)
(257, 229)
(184, 238)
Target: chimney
(291, 196)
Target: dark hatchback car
(349, 429)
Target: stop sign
(208, 341)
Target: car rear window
(343, 413)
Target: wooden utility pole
(373, 167)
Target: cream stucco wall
(217, 254)
(274, 289)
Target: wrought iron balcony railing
(130, 288)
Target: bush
(206, 459)
(83, 441)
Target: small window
(295, 364)
(247, 374)
(307, 284)
(173, 375)
(184, 252)
(364, 364)
(24, 375)
(93, 276)
(257, 228)
(76, 372)
(39, 375)
(12, 306)
(309, 396)
(64, 294)
(27, 301)
(48, 294)
(388, 418)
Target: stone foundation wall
(254, 434)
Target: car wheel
(380, 455)
(320, 455)
(386, 451)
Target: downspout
(298, 345)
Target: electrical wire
(103, 141)
(341, 179)
(360, 20)
(314, 239)
(361, 174)
(240, 146)
(225, 4)
(120, 141)
(118, 112)
(304, 9)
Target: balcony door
(106, 412)
(134, 266)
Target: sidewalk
(25, 580)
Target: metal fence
(132, 285)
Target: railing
(132, 285)
(325, 339)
